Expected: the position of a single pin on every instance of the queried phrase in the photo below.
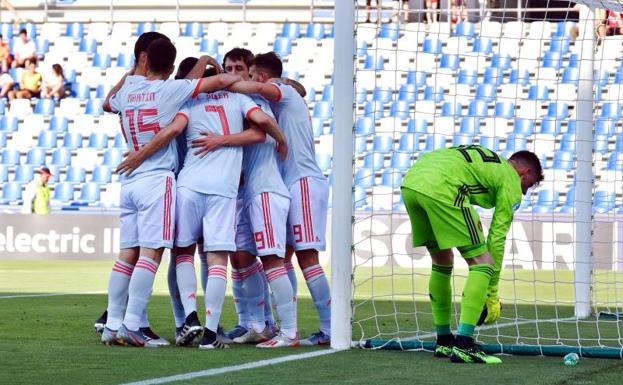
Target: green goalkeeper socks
(440, 291)
(474, 296)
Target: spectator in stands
(369, 10)
(459, 11)
(6, 84)
(600, 20)
(54, 83)
(23, 49)
(432, 17)
(614, 23)
(37, 194)
(5, 55)
(29, 84)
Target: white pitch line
(234, 368)
(48, 295)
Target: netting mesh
(548, 85)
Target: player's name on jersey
(142, 97)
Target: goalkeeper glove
(491, 310)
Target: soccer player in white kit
(309, 189)
(148, 195)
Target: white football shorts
(268, 213)
(147, 212)
(307, 218)
(244, 235)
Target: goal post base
(522, 350)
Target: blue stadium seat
(36, 156)
(145, 27)
(194, 30)
(490, 142)
(610, 110)
(462, 139)
(125, 60)
(618, 143)
(6, 30)
(90, 193)
(523, 127)
(382, 94)
(550, 126)
(470, 125)
(58, 124)
(315, 30)
(569, 205)
(469, 77)
(362, 48)
(317, 127)
(434, 142)
(409, 142)
(493, 75)
(615, 161)
(559, 110)
(563, 29)
(324, 161)
(31, 29)
(364, 178)
(418, 125)
(102, 60)
(483, 45)
(10, 157)
(72, 140)
(570, 75)
(8, 123)
(11, 192)
(374, 161)
(364, 125)
(563, 161)
(374, 109)
(519, 77)
(451, 109)
(604, 126)
(88, 45)
(323, 110)
(47, 139)
(400, 109)
(42, 46)
(112, 157)
(571, 126)
(574, 60)
(101, 175)
(603, 201)
(515, 143)
(401, 160)
(63, 192)
(361, 95)
(552, 60)
(466, 29)
(101, 91)
(70, 77)
(546, 202)
(503, 62)
(75, 175)
(327, 93)
(361, 199)
(540, 93)
(450, 62)
(3, 139)
(431, 45)
(209, 46)
(282, 46)
(601, 77)
(374, 62)
(98, 140)
(361, 145)
(61, 157)
(391, 177)
(416, 77)
(559, 44)
(567, 143)
(486, 92)
(504, 110)
(600, 144)
(390, 31)
(408, 92)
(435, 94)
(291, 30)
(44, 107)
(4, 173)
(383, 143)
(294, 75)
(94, 107)
(75, 30)
(478, 108)
(24, 173)
(81, 91)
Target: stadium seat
(432, 46)
(374, 161)
(42, 46)
(478, 108)
(88, 45)
(44, 107)
(547, 201)
(559, 44)
(470, 125)
(552, 60)
(618, 143)
(323, 110)
(63, 193)
(568, 143)
(408, 92)
(112, 157)
(493, 75)
(24, 173)
(540, 93)
(451, 109)
(401, 160)
(605, 126)
(563, 161)
(374, 62)
(94, 107)
(502, 62)
(327, 93)
(317, 126)
(209, 46)
(361, 199)
(417, 125)
(521, 77)
(570, 75)
(382, 94)
(4, 173)
(434, 142)
(324, 161)
(601, 78)
(11, 193)
(409, 142)
(36, 156)
(383, 143)
(615, 161)
(374, 109)
(75, 174)
(8, 123)
(400, 109)
(31, 29)
(504, 110)
(483, 45)
(416, 77)
(98, 140)
(574, 60)
(102, 61)
(558, 110)
(81, 91)
(282, 46)
(125, 60)
(101, 175)
(20, 108)
(450, 62)
(603, 201)
(364, 178)
(315, 30)
(102, 90)
(364, 126)
(435, 94)
(194, 30)
(89, 193)
(515, 143)
(361, 145)
(550, 126)
(75, 30)
(291, 30)
(10, 157)
(47, 139)
(462, 139)
(145, 27)
(61, 157)
(600, 144)
(3, 139)
(523, 127)
(469, 77)
(72, 140)
(390, 31)
(466, 29)
(6, 30)
(486, 92)
(610, 110)
(563, 29)
(490, 142)
(391, 177)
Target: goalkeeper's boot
(127, 337)
(222, 336)
(279, 341)
(210, 340)
(444, 346)
(250, 337)
(470, 353)
(191, 329)
(100, 323)
(109, 337)
(318, 338)
(237, 331)
(152, 339)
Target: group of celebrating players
(229, 176)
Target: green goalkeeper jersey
(473, 174)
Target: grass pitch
(49, 339)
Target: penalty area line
(47, 295)
(233, 368)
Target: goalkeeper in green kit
(438, 192)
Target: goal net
(548, 80)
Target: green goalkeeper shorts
(439, 225)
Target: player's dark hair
(143, 42)
(161, 55)
(187, 65)
(23, 30)
(529, 159)
(239, 54)
(269, 62)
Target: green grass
(47, 340)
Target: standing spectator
(23, 49)
(29, 84)
(432, 5)
(5, 55)
(54, 83)
(614, 23)
(459, 11)
(369, 10)
(37, 194)
(6, 84)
